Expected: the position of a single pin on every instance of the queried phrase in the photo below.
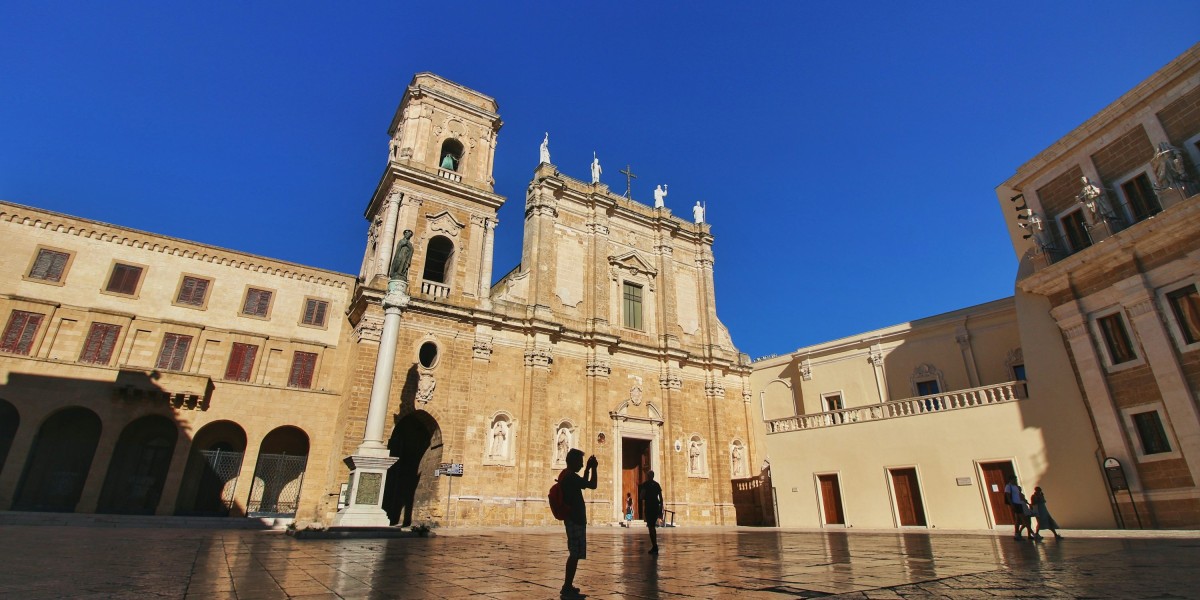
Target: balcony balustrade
(434, 290)
(921, 405)
(448, 174)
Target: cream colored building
(1107, 285)
(919, 425)
(150, 375)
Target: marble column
(370, 462)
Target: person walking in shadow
(650, 494)
(1020, 508)
(1044, 520)
(576, 522)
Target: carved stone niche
(697, 457)
(500, 440)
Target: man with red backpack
(572, 486)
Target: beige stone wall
(50, 378)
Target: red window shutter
(241, 362)
(303, 365)
(19, 333)
(124, 279)
(49, 265)
(100, 342)
(257, 302)
(192, 291)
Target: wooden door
(908, 497)
(831, 499)
(635, 463)
(995, 477)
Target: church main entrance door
(411, 489)
(635, 463)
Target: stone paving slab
(104, 562)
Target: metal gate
(277, 480)
(214, 496)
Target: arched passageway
(214, 463)
(139, 467)
(58, 464)
(411, 488)
(10, 419)
(279, 473)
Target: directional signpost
(451, 470)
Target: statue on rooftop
(596, 170)
(545, 149)
(660, 193)
(698, 212)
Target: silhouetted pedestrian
(1044, 520)
(576, 522)
(650, 494)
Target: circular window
(428, 355)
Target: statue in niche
(562, 444)
(737, 456)
(696, 456)
(660, 194)
(425, 386)
(698, 213)
(596, 170)
(402, 258)
(500, 438)
(545, 149)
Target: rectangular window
(100, 343)
(192, 291)
(303, 365)
(49, 265)
(1151, 433)
(1019, 375)
(174, 351)
(833, 402)
(1185, 305)
(1075, 229)
(927, 388)
(1139, 193)
(241, 362)
(633, 306)
(314, 312)
(19, 333)
(258, 302)
(1116, 339)
(124, 279)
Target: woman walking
(1044, 520)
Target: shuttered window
(174, 350)
(19, 333)
(1185, 305)
(303, 365)
(1151, 433)
(49, 265)
(192, 291)
(314, 312)
(258, 302)
(100, 342)
(1116, 339)
(124, 279)
(241, 362)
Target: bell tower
(438, 184)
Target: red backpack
(558, 505)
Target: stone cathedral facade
(605, 337)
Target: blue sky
(847, 152)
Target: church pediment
(444, 222)
(632, 262)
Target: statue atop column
(545, 149)
(660, 193)
(698, 213)
(596, 170)
(402, 258)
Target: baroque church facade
(149, 375)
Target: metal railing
(935, 403)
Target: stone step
(16, 518)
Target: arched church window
(437, 260)
(452, 151)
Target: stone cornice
(416, 175)
(152, 242)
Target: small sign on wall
(962, 480)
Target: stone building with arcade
(143, 374)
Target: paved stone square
(111, 562)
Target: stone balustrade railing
(921, 405)
(448, 174)
(434, 290)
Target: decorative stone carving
(369, 328)
(665, 249)
(598, 367)
(806, 370)
(1140, 307)
(963, 337)
(631, 264)
(670, 381)
(747, 396)
(538, 358)
(425, 386)
(1015, 357)
(875, 358)
(482, 347)
(597, 228)
(444, 222)
(927, 372)
(737, 459)
(1074, 331)
(635, 392)
(714, 389)
(696, 459)
(564, 437)
(1170, 170)
(500, 438)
